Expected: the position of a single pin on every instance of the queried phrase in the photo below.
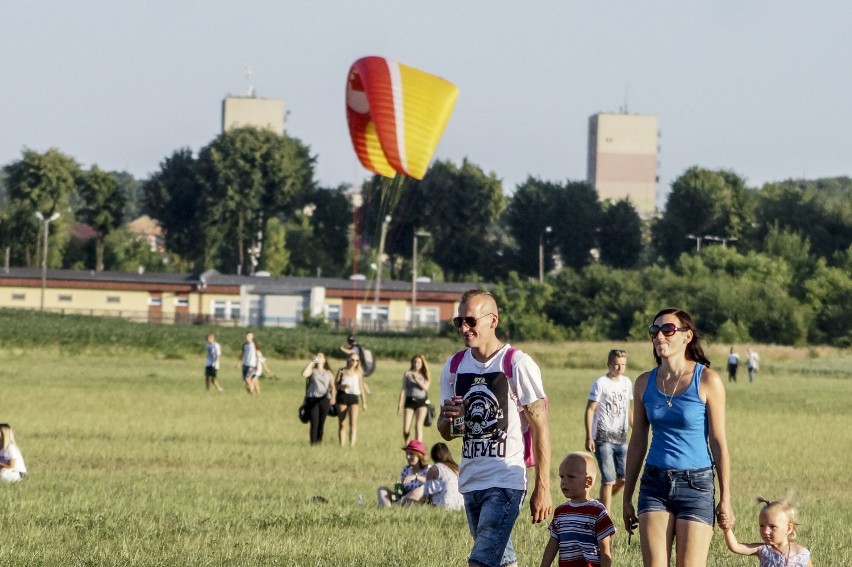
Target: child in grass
(12, 467)
(778, 521)
(581, 529)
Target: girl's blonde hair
(425, 369)
(7, 434)
(785, 506)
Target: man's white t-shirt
(249, 355)
(214, 351)
(610, 420)
(492, 447)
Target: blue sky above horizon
(760, 88)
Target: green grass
(133, 463)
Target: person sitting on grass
(442, 482)
(581, 530)
(412, 477)
(12, 467)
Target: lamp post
(547, 230)
(424, 234)
(46, 221)
(379, 263)
(697, 240)
(723, 239)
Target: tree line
(769, 263)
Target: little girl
(778, 521)
(12, 467)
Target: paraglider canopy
(396, 115)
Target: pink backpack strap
(455, 361)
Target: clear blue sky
(763, 88)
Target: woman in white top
(349, 386)
(12, 467)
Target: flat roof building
(622, 159)
(263, 113)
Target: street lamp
(697, 240)
(547, 230)
(379, 263)
(46, 222)
(424, 234)
(723, 239)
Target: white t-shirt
(12, 453)
(214, 351)
(733, 358)
(493, 445)
(611, 417)
(753, 360)
(249, 355)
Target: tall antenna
(626, 88)
(250, 86)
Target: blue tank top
(679, 432)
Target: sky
(762, 88)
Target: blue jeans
(688, 495)
(491, 515)
(611, 457)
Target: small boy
(581, 528)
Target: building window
(332, 312)
(19, 296)
(113, 299)
(181, 302)
(424, 314)
(224, 309)
(64, 297)
(372, 313)
(155, 301)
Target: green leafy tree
(103, 206)
(459, 205)
(44, 183)
(828, 293)
(620, 235)
(533, 207)
(578, 215)
(275, 253)
(702, 202)
(522, 308)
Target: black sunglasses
(469, 321)
(668, 329)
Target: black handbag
(430, 413)
(304, 414)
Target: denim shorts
(491, 515)
(611, 457)
(688, 495)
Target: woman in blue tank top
(682, 401)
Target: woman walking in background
(319, 394)
(683, 402)
(413, 397)
(12, 467)
(349, 388)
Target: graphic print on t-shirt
(486, 399)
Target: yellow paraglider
(396, 115)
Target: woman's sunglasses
(668, 329)
(469, 321)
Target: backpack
(368, 363)
(508, 366)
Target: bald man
(492, 475)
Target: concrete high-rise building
(265, 113)
(623, 159)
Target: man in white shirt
(211, 368)
(492, 473)
(608, 416)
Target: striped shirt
(579, 529)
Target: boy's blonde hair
(785, 506)
(591, 462)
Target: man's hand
(541, 505)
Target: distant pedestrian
(733, 363)
(753, 360)
(211, 369)
(413, 397)
(319, 394)
(609, 414)
(12, 467)
(349, 387)
(249, 364)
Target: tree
(620, 235)
(38, 182)
(533, 207)
(458, 206)
(103, 207)
(702, 202)
(578, 215)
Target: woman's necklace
(670, 397)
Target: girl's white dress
(12, 453)
(769, 557)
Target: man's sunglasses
(469, 321)
(668, 329)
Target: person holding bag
(320, 394)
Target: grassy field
(133, 463)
